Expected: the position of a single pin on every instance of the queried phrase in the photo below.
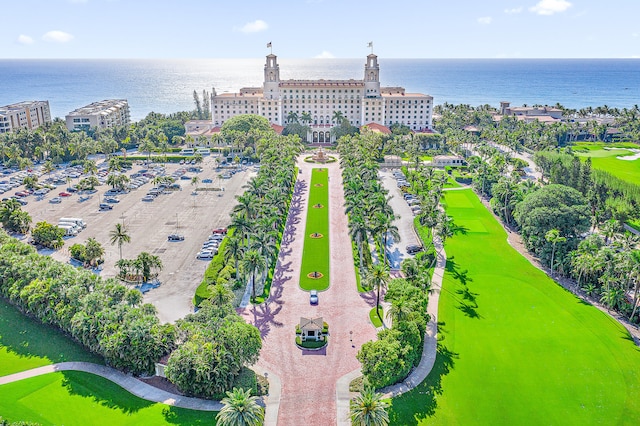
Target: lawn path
(129, 383)
(308, 392)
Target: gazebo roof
(311, 323)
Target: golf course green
(314, 272)
(515, 348)
(607, 159)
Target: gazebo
(311, 329)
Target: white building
(103, 114)
(27, 115)
(320, 103)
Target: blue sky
(320, 28)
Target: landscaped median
(513, 346)
(314, 272)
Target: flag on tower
(268, 45)
(370, 44)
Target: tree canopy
(552, 207)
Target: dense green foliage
(48, 235)
(13, 218)
(552, 207)
(217, 344)
(258, 220)
(366, 201)
(104, 316)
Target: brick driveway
(308, 395)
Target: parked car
(55, 200)
(313, 297)
(64, 194)
(414, 248)
(148, 198)
(220, 231)
(207, 181)
(175, 237)
(204, 254)
(111, 200)
(105, 206)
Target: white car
(204, 254)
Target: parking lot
(397, 251)
(149, 223)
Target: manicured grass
(77, 398)
(603, 159)
(373, 316)
(515, 348)
(27, 344)
(315, 255)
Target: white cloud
(485, 20)
(253, 27)
(25, 39)
(57, 37)
(635, 35)
(325, 55)
(549, 7)
(513, 11)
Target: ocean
(167, 86)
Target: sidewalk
(129, 383)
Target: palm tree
(368, 409)
(553, 236)
(305, 117)
(93, 251)
(233, 249)
(240, 409)
(292, 117)
(220, 295)
(253, 263)
(194, 181)
(147, 263)
(119, 236)
(377, 277)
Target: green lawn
(315, 255)
(603, 159)
(514, 347)
(27, 344)
(373, 317)
(76, 398)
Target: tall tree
(377, 278)
(119, 236)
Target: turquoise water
(167, 85)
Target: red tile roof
(278, 129)
(378, 128)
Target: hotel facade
(24, 115)
(320, 104)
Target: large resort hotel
(315, 103)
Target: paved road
(531, 170)
(309, 378)
(148, 224)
